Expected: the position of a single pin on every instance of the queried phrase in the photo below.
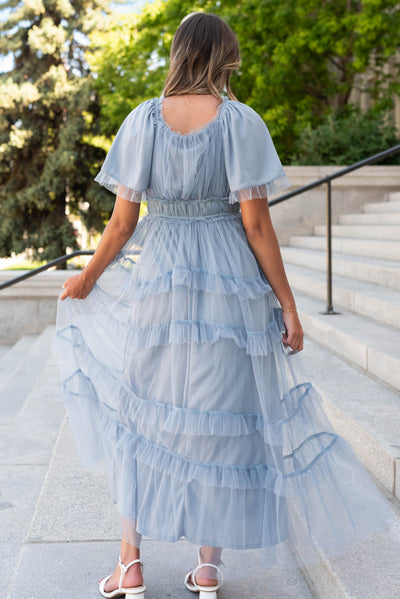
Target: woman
(181, 365)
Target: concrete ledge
(45, 284)
(28, 307)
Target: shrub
(347, 137)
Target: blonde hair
(204, 53)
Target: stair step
(372, 346)
(367, 414)
(368, 299)
(362, 410)
(12, 358)
(392, 206)
(4, 349)
(387, 250)
(19, 376)
(387, 232)
(370, 218)
(394, 196)
(369, 571)
(374, 270)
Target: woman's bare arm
(263, 241)
(117, 232)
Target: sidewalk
(59, 529)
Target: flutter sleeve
(253, 167)
(127, 166)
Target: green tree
(49, 115)
(300, 58)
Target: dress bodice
(232, 156)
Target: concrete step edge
(381, 272)
(364, 411)
(17, 385)
(378, 303)
(362, 231)
(371, 346)
(380, 207)
(381, 249)
(11, 359)
(336, 579)
(394, 196)
(368, 218)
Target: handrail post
(329, 303)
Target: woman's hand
(78, 286)
(294, 333)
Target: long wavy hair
(204, 53)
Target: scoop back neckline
(204, 127)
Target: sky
(6, 62)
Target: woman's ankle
(211, 555)
(129, 552)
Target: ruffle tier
(175, 375)
(301, 407)
(320, 507)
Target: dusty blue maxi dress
(174, 371)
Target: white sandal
(137, 592)
(206, 592)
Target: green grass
(24, 266)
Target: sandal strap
(124, 568)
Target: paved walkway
(59, 529)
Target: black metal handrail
(46, 266)
(328, 180)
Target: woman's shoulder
(239, 107)
(143, 108)
(241, 115)
(240, 110)
(234, 115)
(232, 107)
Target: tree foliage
(49, 114)
(346, 137)
(300, 58)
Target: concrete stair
(19, 370)
(366, 289)
(364, 298)
(385, 232)
(353, 358)
(367, 414)
(371, 218)
(374, 270)
(371, 248)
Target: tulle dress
(174, 371)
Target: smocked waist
(191, 208)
